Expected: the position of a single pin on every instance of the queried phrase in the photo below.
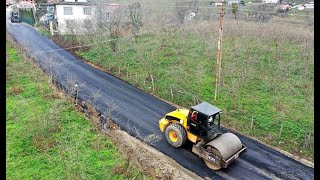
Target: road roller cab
(201, 125)
(204, 120)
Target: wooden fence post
(251, 125)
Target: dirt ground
(152, 162)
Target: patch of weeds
(45, 32)
(15, 90)
(51, 96)
(43, 143)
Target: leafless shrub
(70, 154)
(71, 26)
(93, 97)
(88, 26)
(15, 90)
(70, 86)
(151, 139)
(106, 117)
(261, 12)
(113, 20)
(52, 121)
(135, 15)
(147, 60)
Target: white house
(230, 2)
(73, 14)
(270, 1)
(80, 14)
(217, 3)
(77, 1)
(309, 5)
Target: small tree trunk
(153, 89)
(137, 80)
(281, 128)
(128, 71)
(251, 125)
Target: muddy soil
(149, 160)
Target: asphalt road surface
(138, 113)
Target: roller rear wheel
(176, 135)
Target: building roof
(206, 108)
(25, 4)
(113, 6)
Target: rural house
(217, 3)
(81, 16)
(309, 5)
(27, 1)
(69, 13)
(234, 1)
(270, 1)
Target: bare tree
(106, 117)
(135, 15)
(115, 24)
(147, 59)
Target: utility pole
(218, 68)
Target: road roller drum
(226, 145)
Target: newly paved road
(138, 113)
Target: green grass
(46, 138)
(269, 80)
(44, 31)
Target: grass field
(267, 75)
(46, 138)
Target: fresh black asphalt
(138, 113)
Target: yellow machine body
(218, 151)
(180, 114)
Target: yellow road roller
(201, 125)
